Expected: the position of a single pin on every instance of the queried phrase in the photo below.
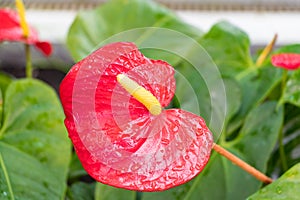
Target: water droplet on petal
(165, 141)
(199, 132)
(198, 167)
(175, 128)
(179, 146)
(135, 166)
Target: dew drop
(179, 146)
(165, 141)
(198, 167)
(187, 157)
(278, 190)
(263, 190)
(178, 168)
(199, 132)
(118, 153)
(175, 128)
(135, 166)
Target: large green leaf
(93, 27)
(291, 142)
(106, 192)
(229, 47)
(35, 150)
(4, 82)
(259, 133)
(159, 34)
(5, 79)
(223, 180)
(256, 85)
(291, 93)
(286, 187)
(233, 96)
(293, 48)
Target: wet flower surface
(118, 141)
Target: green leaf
(34, 146)
(256, 139)
(291, 93)
(233, 97)
(229, 47)
(159, 34)
(293, 48)
(81, 191)
(256, 85)
(106, 192)
(116, 16)
(286, 187)
(4, 82)
(291, 142)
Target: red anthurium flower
(290, 61)
(11, 30)
(117, 139)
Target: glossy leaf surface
(292, 89)
(91, 28)
(286, 187)
(34, 158)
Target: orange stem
(242, 164)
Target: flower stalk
(242, 164)
(28, 61)
(21, 10)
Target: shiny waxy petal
(116, 138)
(175, 147)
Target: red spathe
(117, 140)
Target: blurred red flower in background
(290, 61)
(11, 30)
